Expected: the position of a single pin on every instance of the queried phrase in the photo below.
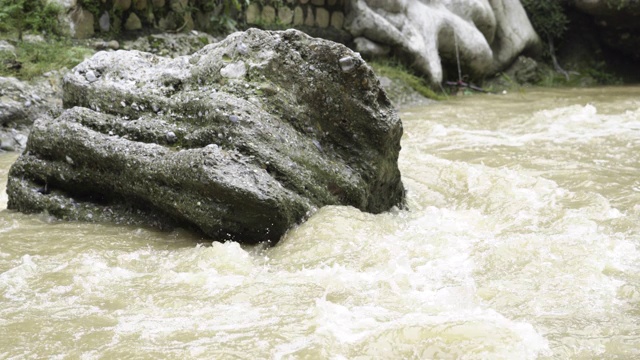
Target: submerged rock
(240, 140)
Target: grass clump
(32, 59)
(396, 71)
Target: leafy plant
(548, 17)
(93, 6)
(223, 19)
(617, 4)
(550, 21)
(602, 75)
(35, 15)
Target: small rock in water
(27, 103)
(348, 64)
(69, 160)
(6, 144)
(234, 119)
(7, 147)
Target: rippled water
(522, 242)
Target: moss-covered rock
(239, 140)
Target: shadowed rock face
(618, 22)
(240, 140)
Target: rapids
(521, 241)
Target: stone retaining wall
(312, 13)
(88, 18)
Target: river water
(522, 241)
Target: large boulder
(486, 35)
(240, 140)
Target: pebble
(317, 144)
(242, 49)
(171, 137)
(6, 144)
(234, 119)
(347, 63)
(113, 44)
(90, 76)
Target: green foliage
(223, 23)
(35, 15)
(600, 73)
(393, 69)
(93, 6)
(617, 4)
(223, 19)
(35, 59)
(548, 17)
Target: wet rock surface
(21, 103)
(240, 140)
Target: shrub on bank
(18, 16)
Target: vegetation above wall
(39, 16)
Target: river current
(521, 241)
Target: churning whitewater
(521, 241)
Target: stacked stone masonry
(312, 13)
(185, 15)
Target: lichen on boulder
(240, 140)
